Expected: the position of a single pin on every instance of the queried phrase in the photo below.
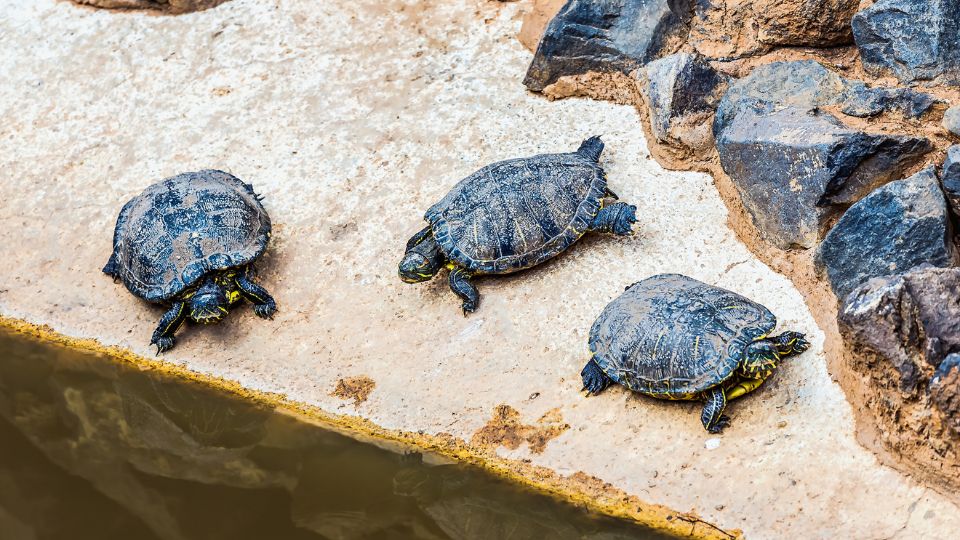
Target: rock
(606, 36)
(169, 6)
(914, 40)
(680, 93)
(912, 320)
(729, 29)
(794, 169)
(863, 101)
(950, 178)
(808, 84)
(794, 164)
(911, 323)
(810, 23)
(951, 120)
(895, 228)
(536, 20)
(945, 391)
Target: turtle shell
(671, 334)
(183, 227)
(515, 214)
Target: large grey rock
(897, 227)
(950, 178)
(951, 120)
(914, 40)
(794, 165)
(606, 36)
(911, 320)
(794, 168)
(727, 29)
(680, 93)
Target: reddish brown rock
(738, 28)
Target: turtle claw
(594, 380)
(722, 423)
(163, 344)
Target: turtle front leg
(712, 415)
(263, 304)
(171, 321)
(594, 379)
(461, 286)
(617, 218)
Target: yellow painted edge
(609, 501)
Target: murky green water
(92, 448)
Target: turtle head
(760, 359)
(209, 304)
(790, 343)
(421, 262)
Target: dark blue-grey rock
(914, 40)
(794, 164)
(679, 95)
(862, 101)
(951, 120)
(950, 178)
(897, 227)
(911, 320)
(808, 84)
(607, 36)
(795, 168)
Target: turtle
(513, 215)
(189, 242)
(673, 337)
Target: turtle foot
(265, 311)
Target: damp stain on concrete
(506, 429)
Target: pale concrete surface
(352, 118)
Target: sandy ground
(352, 118)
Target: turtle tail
(112, 269)
(591, 148)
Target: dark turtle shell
(179, 229)
(671, 334)
(515, 214)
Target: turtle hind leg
(171, 321)
(712, 415)
(617, 218)
(461, 286)
(594, 379)
(591, 148)
(263, 304)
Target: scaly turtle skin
(673, 337)
(513, 215)
(188, 242)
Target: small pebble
(712, 444)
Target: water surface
(93, 448)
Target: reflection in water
(93, 448)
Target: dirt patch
(535, 21)
(356, 388)
(506, 429)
